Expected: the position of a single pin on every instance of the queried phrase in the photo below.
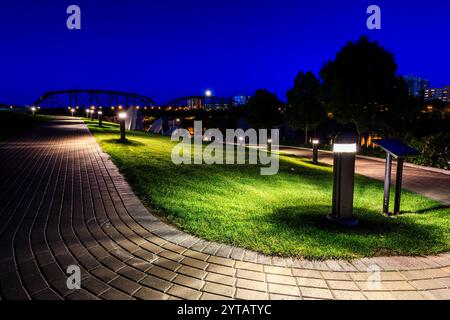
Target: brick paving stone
(199, 264)
(251, 275)
(125, 252)
(192, 272)
(221, 279)
(221, 269)
(311, 282)
(283, 289)
(149, 294)
(316, 293)
(248, 266)
(125, 285)
(184, 292)
(428, 284)
(342, 285)
(189, 282)
(281, 279)
(221, 261)
(251, 285)
(219, 289)
(278, 270)
(213, 297)
(348, 295)
(156, 283)
(244, 294)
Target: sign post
(397, 149)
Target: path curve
(63, 202)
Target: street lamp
(344, 154)
(72, 111)
(122, 117)
(92, 115)
(269, 145)
(208, 93)
(315, 144)
(100, 118)
(33, 110)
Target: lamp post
(269, 145)
(315, 143)
(92, 115)
(72, 111)
(344, 153)
(122, 117)
(33, 110)
(100, 118)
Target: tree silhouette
(361, 86)
(304, 110)
(263, 110)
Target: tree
(304, 110)
(263, 110)
(361, 86)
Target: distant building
(241, 100)
(416, 85)
(438, 94)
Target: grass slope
(283, 214)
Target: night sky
(171, 48)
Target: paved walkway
(430, 182)
(63, 202)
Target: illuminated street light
(33, 110)
(208, 93)
(122, 117)
(344, 153)
(72, 111)
(315, 143)
(100, 118)
(269, 145)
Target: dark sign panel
(396, 147)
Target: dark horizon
(169, 49)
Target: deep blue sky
(171, 48)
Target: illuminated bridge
(89, 98)
(202, 102)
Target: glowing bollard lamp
(33, 110)
(100, 118)
(269, 145)
(72, 111)
(315, 144)
(344, 152)
(122, 117)
(92, 115)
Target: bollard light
(72, 111)
(33, 110)
(100, 118)
(92, 114)
(122, 117)
(269, 145)
(344, 155)
(315, 144)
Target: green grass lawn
(284, 214)
(12, 123)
